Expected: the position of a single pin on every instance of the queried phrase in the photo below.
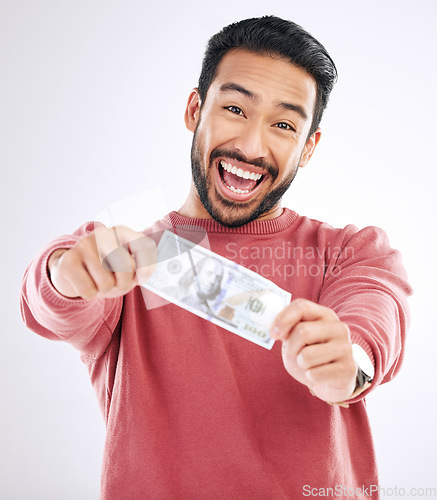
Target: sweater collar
(259, 227)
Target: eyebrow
(227, 87)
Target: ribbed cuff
(356, 339)
(46, 287)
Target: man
(193, 411)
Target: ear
(309, 148)
(192, 111)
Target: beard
(227, 212)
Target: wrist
(54, 257)
(365, 373)
(52, 263)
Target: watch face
(363, 361)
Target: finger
(143, 249)
(298, 310)
(337, 374)
(318, 332)
(112, 244)
(130, 255)
(71, 278)
(119, 260)
(104, 280)
(112, 250)
(109, 265)
(81, 282)
(316, 355)
(144, 254)
(124, 270)
(125, 281)
(303, 334)
(310, 332)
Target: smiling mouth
(237, 179)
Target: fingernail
(274, 332)
(299, 360)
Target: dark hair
(274, 36)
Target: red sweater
(194, 411)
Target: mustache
(235, 155)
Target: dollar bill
(216, 289)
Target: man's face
(250, 135)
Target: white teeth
(245, 174)
(238, 191)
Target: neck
(193, 207)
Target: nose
(251, 140)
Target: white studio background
(92, 96)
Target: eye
(234, 109)
(285, 126)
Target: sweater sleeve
(85, 324)
(366, 285)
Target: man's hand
(106, 263)
(316, 349)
